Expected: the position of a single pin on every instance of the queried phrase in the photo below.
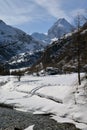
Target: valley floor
(59, 94)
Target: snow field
(58, 94)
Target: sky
(39, 15)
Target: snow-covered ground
(30, 127)
(58, 94)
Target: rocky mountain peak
(61, 20)
(1, 22)
(59, 28)
(17, 48)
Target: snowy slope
(59, 94)
(26, 59)
(30, 128)
(9, 33)
(63, 55)
(41, 37)
(59, 28)
(14, 42)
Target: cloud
(82, 13)
(53, 7)
(15, 20)
(79, 11)
(16, 12)
(61, 8)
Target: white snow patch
(84, 31)
(30, 127)
(41, 95)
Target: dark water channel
(11, 119)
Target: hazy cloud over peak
(27, 12)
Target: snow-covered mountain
(41, 37)
(59, 28)
(13, 42)
(63, 53)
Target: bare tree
(79, 23)
(78, 46)
(78, 51)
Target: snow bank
(30, 128)
(58, 94)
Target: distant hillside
(41, 37)
(17, 48)
(60, 28)
(63, 53)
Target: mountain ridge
(62, 54)
(57, 30)
(25, 51)
(14, 42)
(60, 28)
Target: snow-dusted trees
(4, 70)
